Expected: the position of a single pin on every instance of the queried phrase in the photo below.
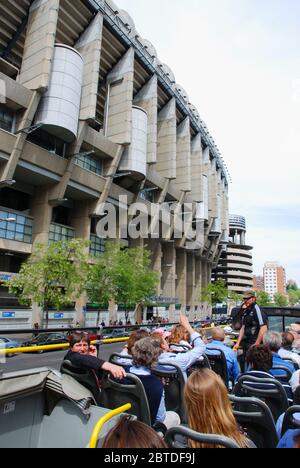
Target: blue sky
(239, 62)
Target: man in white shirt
(286, 351)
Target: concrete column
(89, 46)
(205, 306)
(39, 44)
(213, 190)
(198, 285)
(118, 125)
(196, 169)
(181, 283)
(166, 141)
(147, 100)
(169, 274)
(41, 211)
(81, 220)
(183, 159)
(191, 283)
(155, 248)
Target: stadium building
(90, 114)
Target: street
(52, 359)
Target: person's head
(218, 334)
(294, 328)
(249, 298)
(209, 408)
(163, 344)
(132, 434)
(145, 352)
(260, 358)
(80, 343)
(287, 339)
(273, 340)
(134, 338)
(178, 334)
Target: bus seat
(115, 394)
(270, 391)
(174, 383)
(290, 421)
(256, 420)
(182, 432)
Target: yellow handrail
(105, 419)
(31, 349)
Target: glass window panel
(20, 219)
(20, 228)
(19, 237)
(2, 233)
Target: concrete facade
(56, 188)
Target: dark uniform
(253, 319)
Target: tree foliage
(263, 299)
(294, 296)
(215, 293)
(122, 275)
(54, 275)
(280, 300)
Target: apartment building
(90, 114)
(258, 283)
(274, 279)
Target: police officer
(254, 324)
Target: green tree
(215, 293)
(280, 300)
(292, 287)
(263, 299)
(55, 275)
(294, 297)
(124, 276)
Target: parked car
(115, 333)
(46, 339)
(6, 343)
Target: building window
(6, 119)
(97, 246)
(47, 141)
(90, 163)
(17, 227)
(58, 233)
(147, 195)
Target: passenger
(179, 336)
(165, 334)
(84, 355)
(127, 350)
(294, 328)
(286, 351)
(273, 340)
(260, 359)
(145, 354)
(295, 381)
(209, 409)
(185, 360)
(218, 336)
(290, 440)
(131, 434)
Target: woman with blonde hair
(209, 409)
(179, 336)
